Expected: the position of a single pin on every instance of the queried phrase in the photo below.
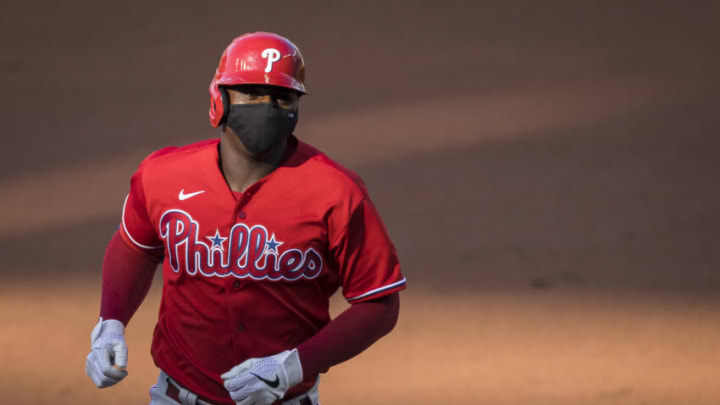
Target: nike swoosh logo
(182, 196)
(272, 384)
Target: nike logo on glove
(182, 196)
(272, 384)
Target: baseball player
(255, 231)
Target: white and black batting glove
(262, 381)
(107, 360)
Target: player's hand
(107, 360)
(262, 381)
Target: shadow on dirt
(626, 204)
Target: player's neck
(242, 169)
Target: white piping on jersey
(128, 233)
(380, 289)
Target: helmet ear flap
(217, 110)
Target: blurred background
(548, 172)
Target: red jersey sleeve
(367, 261)
(136, 227)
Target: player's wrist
(290, 360)
(107, 327)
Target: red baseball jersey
(250, 274)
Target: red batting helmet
(256, 58)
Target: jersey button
(241, 215)
(241, 327)
(236, 285)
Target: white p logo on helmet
(272, 55)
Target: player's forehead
(263, 89)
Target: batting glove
(107, 360)
(262, 381)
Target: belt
(175, 391)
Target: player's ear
(226, 105)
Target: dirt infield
(532, 346)
(549, 174)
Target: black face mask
(261, 126)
